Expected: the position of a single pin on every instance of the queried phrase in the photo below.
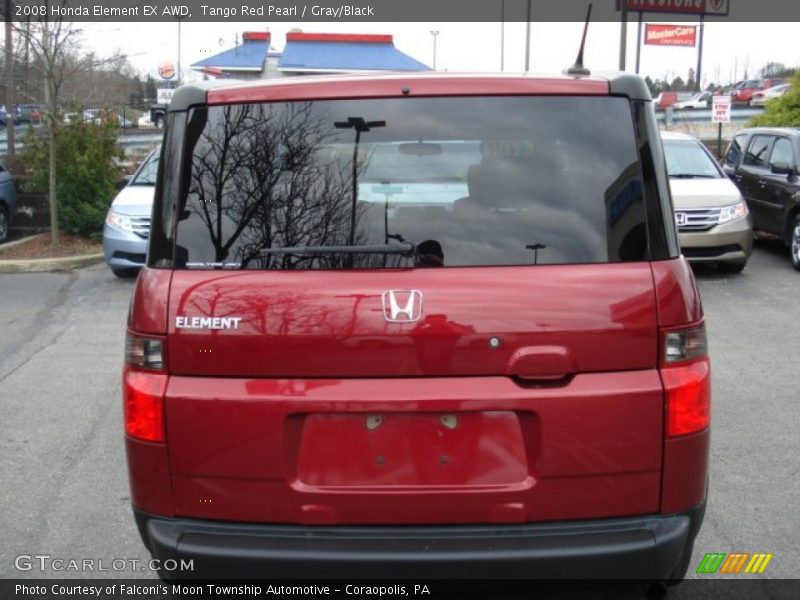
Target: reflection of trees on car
(260, 178)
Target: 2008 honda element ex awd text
(421, 325)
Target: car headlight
(119, 221)
(734, 211)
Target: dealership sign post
(720, 113)
(667, 35)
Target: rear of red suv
(426, 325)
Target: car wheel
(794, 243)
(732, 266)
(3, 223)
(125, 273)
(158, 122)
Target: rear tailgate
(520, 394)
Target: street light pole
(435, 34)
(502, 34)
(528, 39)
(360, 126)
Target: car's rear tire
(732, 266)
(794, 243)
(4, 223)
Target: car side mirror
(781, 168)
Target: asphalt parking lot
(63, 482)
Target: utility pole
(623, 35)
(10, 101)
(179, 50)
(698, 86)
(639, 42)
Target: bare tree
(54, 45)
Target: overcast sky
(729, 50)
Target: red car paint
(435, 84)
(557, 424)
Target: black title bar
(299, 11)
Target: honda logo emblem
(402, 306)
(681, 219)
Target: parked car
(97, 115)
(23, 113)
(8, 202)
(512, 381)
(714, 224)
(700, 100)
(666, 99)
(742, 91)
(763, 163)
(762, 97)
(29, 113)
(127, 226)
(158, 113)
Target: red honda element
(417, 324)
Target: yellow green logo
(734, 563)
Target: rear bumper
(648, 547)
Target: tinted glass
(689, 159)
(734, 151)
(463, 181)
(782, 152)
(756, 154)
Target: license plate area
(412, 450)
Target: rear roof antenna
(578, 68)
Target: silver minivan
(127, 227)
(714, 224)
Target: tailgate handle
(541, 363)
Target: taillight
(143, 387)
(143, 352)
(686, 374)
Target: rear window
(398, 183)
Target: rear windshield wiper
(402, 248)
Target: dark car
(8, 202)
(417, 325)
(763, 163)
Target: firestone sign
(669, 35)
(690, 7)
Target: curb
(41, 265)
(27, 238)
